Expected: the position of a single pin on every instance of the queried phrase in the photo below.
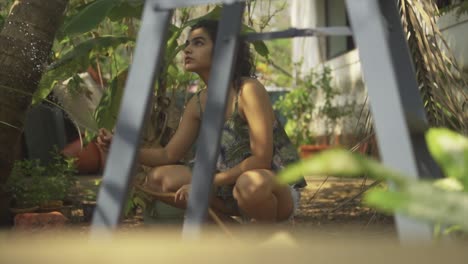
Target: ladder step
(296, 32)
(135, 104)
(173, 4)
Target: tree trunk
(25, 45)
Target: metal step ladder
(397, 108)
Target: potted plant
(33, 185)
(299, 108)
(87, 157)
(59, 178)
(25, 191)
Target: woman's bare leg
(260, 197)
(169, 179)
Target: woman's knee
(252, 186)
(158, 179)
(168, 178)
(155, 176)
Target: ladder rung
(296, 32)
(173, 4)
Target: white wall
(346, 68)
(309, 50)
(455, 31)
(312, 52)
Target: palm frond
(441, 82)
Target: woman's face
(198, 51)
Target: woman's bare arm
(179, 144)
(255, 105)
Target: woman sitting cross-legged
(253, 147)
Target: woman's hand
(183, 193)
(104, 139)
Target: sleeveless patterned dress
(235, 147)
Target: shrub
(32, 183)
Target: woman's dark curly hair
(243, 66)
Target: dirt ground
(334, 204)
(337, 201)
(327, 204)
(330, 206)
(330, 222)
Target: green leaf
(386, 201)
(259, 45)
(84, 48)
(76, 60)
(333, 162)
(140, 202)
(261, 48)
(108, 108)
(45, 87)
(449, 184)
(129, 204)
(90, 134)
(172, 47)
(341, 163)
(452, 229)
(214, 14)
(450, 150)
(89, 18)
(423, 201)
(2, 21)
(126, 9)
(128, 207)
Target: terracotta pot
(88, 159)
(309, 150)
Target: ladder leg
(135, 103)
(397, 108)
(213, 117)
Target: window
(335, 11)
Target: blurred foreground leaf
(450, 150)
(424, 201)
(339, 163)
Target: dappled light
(234, 131)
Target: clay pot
(309, 150)
(88, 158)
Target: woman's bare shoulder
(194, 105)
(252, 95)
(250, 81)
(251, 86)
